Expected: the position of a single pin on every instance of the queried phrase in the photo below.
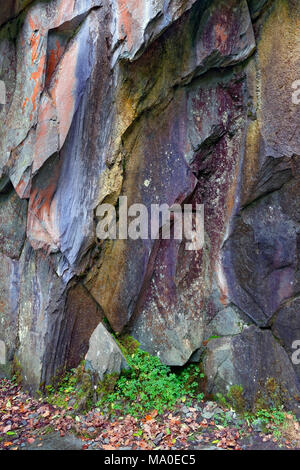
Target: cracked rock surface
(165, 102)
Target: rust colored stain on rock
(37, 78)
(54, 57)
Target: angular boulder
(256, 362)
(104, 355)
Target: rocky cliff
(162, 101)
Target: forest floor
(28, 423)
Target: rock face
(255, 360)
(165, 102)
(104, 356)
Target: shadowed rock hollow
(163, 102)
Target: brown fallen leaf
(7, 444)
(148, 418)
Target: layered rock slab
(167, 101)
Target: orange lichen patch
(130, 14)
(125, 20)
(62, 91)
(37, 77)
(24, 104)
(221, 33)
(32, 23)
(34, 46)
(53, 59)
(221, 36)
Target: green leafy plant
(150, 385)
(273, 420)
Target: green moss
(236, 398)
(107, 386)
(128, 345)
(271, 394)
(233, 399)
(268, 407)
(222, 400)
(17, 371)
(75, 389)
